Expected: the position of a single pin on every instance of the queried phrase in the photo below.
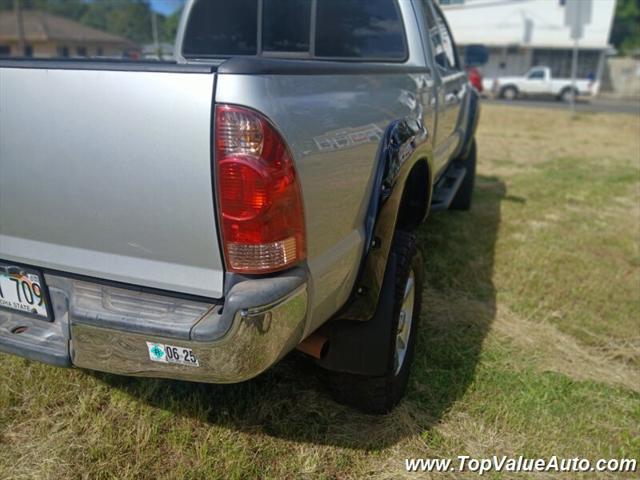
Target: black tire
(380, 394)
(464, 196)
(509, 93)
(565, 95)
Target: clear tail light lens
(260, 205)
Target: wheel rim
(404, 322)
(510, 94)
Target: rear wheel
(509, 93)
(380, 394)
(568, 95)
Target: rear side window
(286, 25)
(341, 29)
(359, 29)
(222, 29)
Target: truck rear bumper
(110, 329)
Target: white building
(524, 33)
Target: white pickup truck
(539, 82)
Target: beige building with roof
(46, 35)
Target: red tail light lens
(261, 211)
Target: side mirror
(475, 55)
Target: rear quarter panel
(333, 125)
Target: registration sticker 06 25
(159, 352)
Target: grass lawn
(530, 343)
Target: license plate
(159, 352)
(23, 290)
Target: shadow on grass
(289, 402)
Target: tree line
(625, 35)
(128, 18)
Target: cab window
(286, 25)
(368, 30)
(222, 29)
(359, 29)
(536, 75)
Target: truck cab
(537, 80)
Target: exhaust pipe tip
(315, 345)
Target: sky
(166, 6)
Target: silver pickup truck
(200, 219)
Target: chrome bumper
(107, 328)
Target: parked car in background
(475, 56)
(199, 219)
(475, 78)
(539, 82)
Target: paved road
(594, 105)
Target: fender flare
(360, 330)
(395, 160)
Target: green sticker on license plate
(159, 352)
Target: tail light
(261, 213)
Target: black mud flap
(363, 347)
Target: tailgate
(108, 174)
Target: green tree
(625, 34)
(128, 18)
(170, 26)
(65, 8)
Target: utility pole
(17, 7)
(574, 72)
(574, 58)
(154, 29)
(577, 15)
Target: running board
(447, 187)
